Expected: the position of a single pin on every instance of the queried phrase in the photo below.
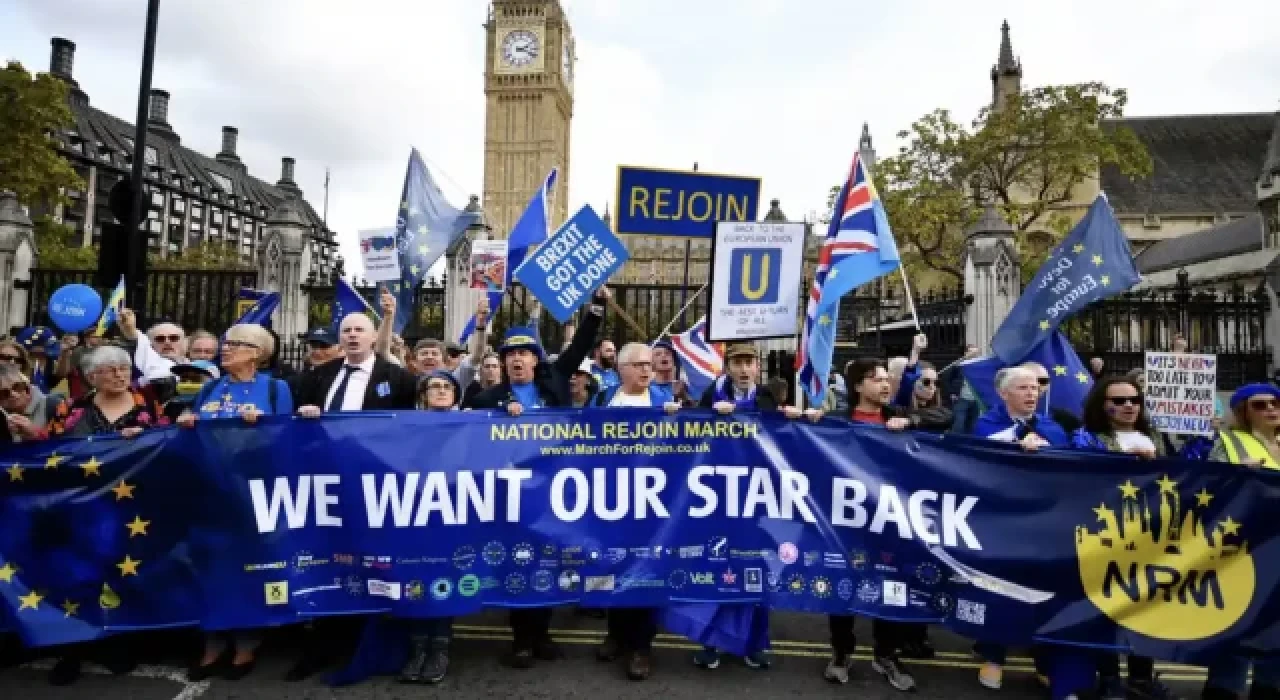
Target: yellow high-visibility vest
(1241, 445)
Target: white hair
(1008, 375)
(105, 356)
(1035, 368)
(629, 351)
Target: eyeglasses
(1042, 381)
(19, 388)
(239, 344)
(1264, 404)
(6, 357)
(115, 369)
(168, 338)
(439, 386)
(640, 365)
(1125, 400)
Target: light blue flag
(858, 249)
(531, 229)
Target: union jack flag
(702, 361)
(859, 248)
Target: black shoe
(306, 667)
(547, 650)
(65, 672)
(895, 672)
(197, 672)
(521, 659)
(235, 672)
(437, 664)
(412, 671)
(610, 650)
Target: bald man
(358, 381)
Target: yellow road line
(800, 649)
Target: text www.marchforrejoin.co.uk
(646, 449)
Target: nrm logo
(1161, 570)
(755, 275)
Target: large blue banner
(675, 203)
(420, 514)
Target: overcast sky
(777, 89)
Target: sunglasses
(1264, 404)
(168, 338)
(5, 357)
(6, 394)
(925, 382)
(1125, 400)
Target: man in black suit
(360, 380)
(529, 383)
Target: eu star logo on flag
(82, 535)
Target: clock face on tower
(520, 48)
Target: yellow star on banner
(1129, 490)
(91, 467)
(128, 567)
(413, 270)
(1082, 377)
(1044, 325)
(123, 490)
(1060, 370)
(138, 526)
(1167, 485)
(422, 250)
(30, 600)
(1105, 281)
(53, 461)
(824, 319)
(1103, 512)
(15, 472)
(422, 230)
(1097, 260)
(1204, 497)
(1077, 248)
(7, 571)
(69, 608)
(1229, 526)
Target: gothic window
(1004, 275)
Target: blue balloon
(75, 307)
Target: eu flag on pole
(1069, 380)
(346, 300)
(257, 306)
(1093, 262)
(111, 311)
(859, 248)
(532, 228)
(426, 225)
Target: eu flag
(1069, 381)
(426, 225)
(257, 306)
(91, 539)
(346, 300)
(1093, 262)
(532, 228)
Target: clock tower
(528, 87)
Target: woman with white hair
(112, 405)
(244, 392)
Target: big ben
(528, 91)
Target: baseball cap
(741, 350)
(321, 336)
(204, 367)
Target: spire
(864, 143)
(608, 220)
(1007, 64)
(865, 150)
(1006, 74)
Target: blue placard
(572, 263)
(673, 203)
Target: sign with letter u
(755, 281)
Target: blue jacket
(658, 395)
(998, 420)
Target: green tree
(1030, 158)
(32, 109)
(208, 255)
(59, 247)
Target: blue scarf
(725, 391)
(998, 420)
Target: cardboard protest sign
(572, 263)
(1180, 392)
(380, 255)
(755, 281)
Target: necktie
(335, 403)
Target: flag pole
(911, 303)
(679, 314)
